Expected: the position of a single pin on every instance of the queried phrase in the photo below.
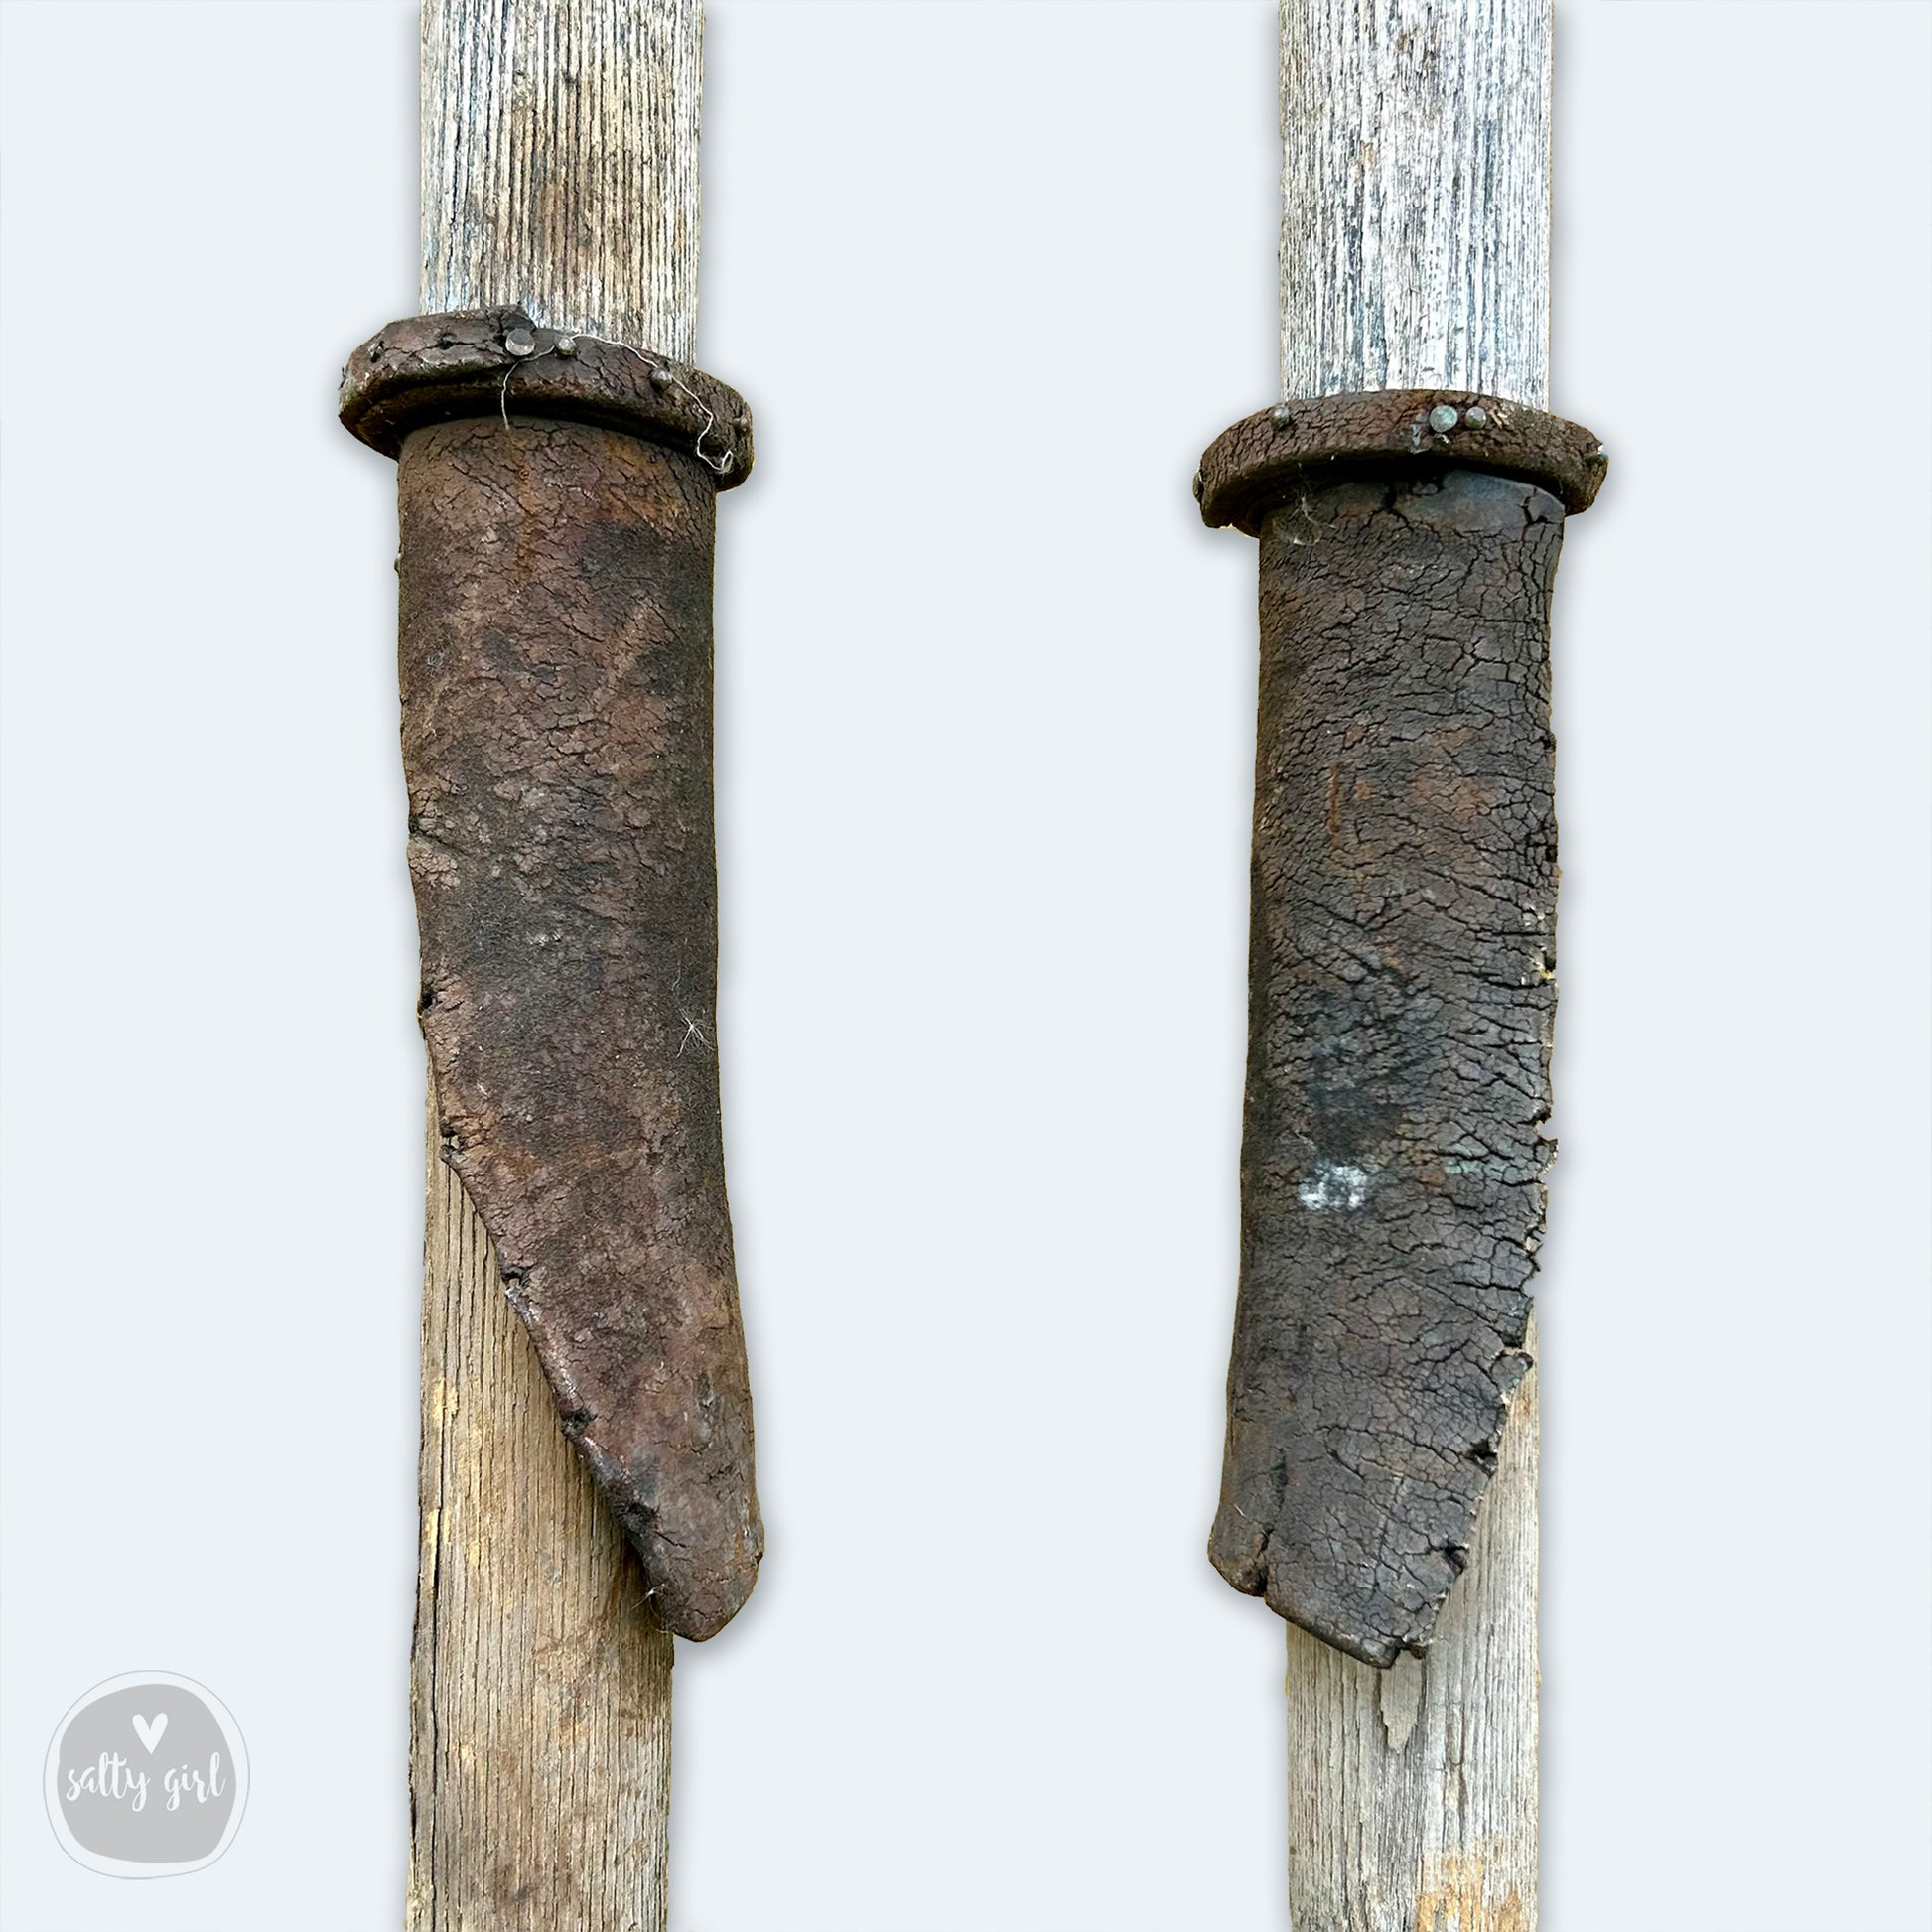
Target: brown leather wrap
(1402, 994)
(556, 673)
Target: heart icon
(148, 1729)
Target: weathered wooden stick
(540, 1688)
(1382, 1400)
(1412, 1791)
(1414, 253)
(1415, 245)
(560, 173)
(560, 164)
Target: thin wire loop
(721, 466)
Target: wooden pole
(1414, 253)
(1414, 249)
(560, 173)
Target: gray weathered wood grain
(1415, 252)
(1415, 197)
(560, 171)
(1412, 1791)
(560, 164)
(540, 1706)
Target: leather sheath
(558, 515)
(1402, 989)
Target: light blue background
(997, 273)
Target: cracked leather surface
(1402, 995)
(556, 669)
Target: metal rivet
(1476, 416)
(1443, 418)
(566, 345)
(375, 351)
(520, 341)
(661, 379)
(1280, 417)
(1200, 486)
